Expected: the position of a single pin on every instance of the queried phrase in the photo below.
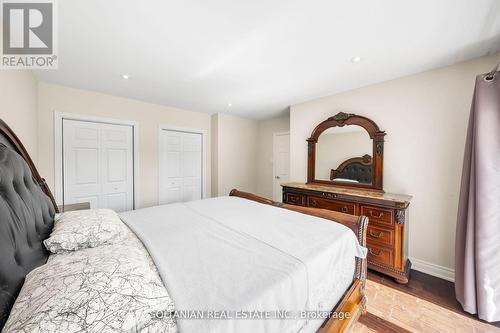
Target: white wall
(18, 106)
(265, 152)
(425, 116)
(235, 156)
(242, 153)
(52, 98)
(334, 148)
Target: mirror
(346, 150)
(344, 154)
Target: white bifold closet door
(98, 165)
(180, 166)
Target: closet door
(98, 164)
(180, 166)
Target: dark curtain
(477, 248)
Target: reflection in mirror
(343, 154)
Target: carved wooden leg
(403, 279)
(363, 306)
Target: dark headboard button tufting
(24, 224)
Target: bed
(356, 169)
(241, 256)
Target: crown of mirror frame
(346, 150)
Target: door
(181, 170)
(98, 164)
(281, 163)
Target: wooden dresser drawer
(378, 215)
(336, 205)
(294, 199)
(387, 231)
(383, 236)
(381, 255)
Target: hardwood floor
(425, 304)
(373, 323)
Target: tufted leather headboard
(357, 168)
(27, 211)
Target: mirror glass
(343, 154)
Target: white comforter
(231, 254)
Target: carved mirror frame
(340, 120)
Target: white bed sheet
(327, 250)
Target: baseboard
(433, 269)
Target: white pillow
(346, 180)
(82, 229)
(114, 288)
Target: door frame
(204, 165)
(274, 161)
(58, 149)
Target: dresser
(387, 236)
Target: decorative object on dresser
(345, 174)
(349, 162)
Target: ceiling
(261, 56)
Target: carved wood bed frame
(354, 300)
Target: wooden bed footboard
(353, 302)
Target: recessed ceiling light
(355, 59)
(229, 105)
(125, 76)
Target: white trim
(204, 149)
(433, 269)
(58, 169)
(274, 162)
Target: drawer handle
(344, 209)
(374, 235)
(373, 253)
(314, 203)
(379, 215)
